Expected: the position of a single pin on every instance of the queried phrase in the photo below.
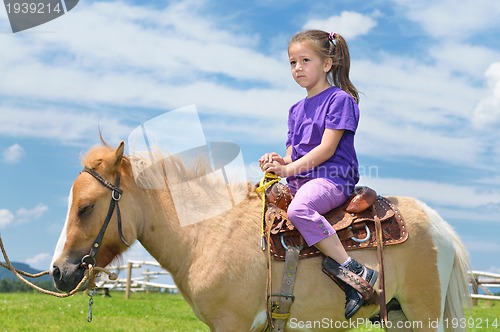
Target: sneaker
(354, 300)
(351, 285)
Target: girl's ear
(328, 65)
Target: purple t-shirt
(332, 108)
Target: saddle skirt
(354, 222)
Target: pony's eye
(84, 211)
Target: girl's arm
(315, 157)
(288, 155)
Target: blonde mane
(197, 190)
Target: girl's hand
(269, 158)
(276, 167)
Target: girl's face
(309, 70)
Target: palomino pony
(221, 270)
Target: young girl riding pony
(320, 163)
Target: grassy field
(142, 312)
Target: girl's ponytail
(339, 53)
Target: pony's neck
(178, 248)
(160, 232)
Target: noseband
(116, 194)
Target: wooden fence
(484, 281)
(136, 284)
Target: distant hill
(4, 273)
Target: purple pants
(312, 199)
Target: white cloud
(453, 19)
(6, 218)
(467, 59)
(478, 214)
(494, 269)
(418, 108)
(412, 91)
(26, 215)
(22, 215)
(91, 69)
(349, 24)
(413, 109)
(175, 44)
(487, 112)
(39, 261)
(13, 154)
(480, 245)
(170, 65)
(62, 125)
(435, 193)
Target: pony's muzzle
(56, 273)
(66, 276)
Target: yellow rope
(267, 181)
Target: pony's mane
(154, 168)
(197, 186)
(198, 192)
(174, 168)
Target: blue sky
(429, 73)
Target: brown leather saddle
(354, 222)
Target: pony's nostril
(56, 273)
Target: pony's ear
(119, 155)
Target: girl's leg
(313, 199)
(332, 247)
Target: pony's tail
(458, 293)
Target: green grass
(142, 312)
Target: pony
(221, 271)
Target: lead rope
(90, 273)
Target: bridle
(116, 194)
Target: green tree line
(8, 285)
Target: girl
(320, 163)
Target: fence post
(475, 288)
(129, 280)
(146, 287)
